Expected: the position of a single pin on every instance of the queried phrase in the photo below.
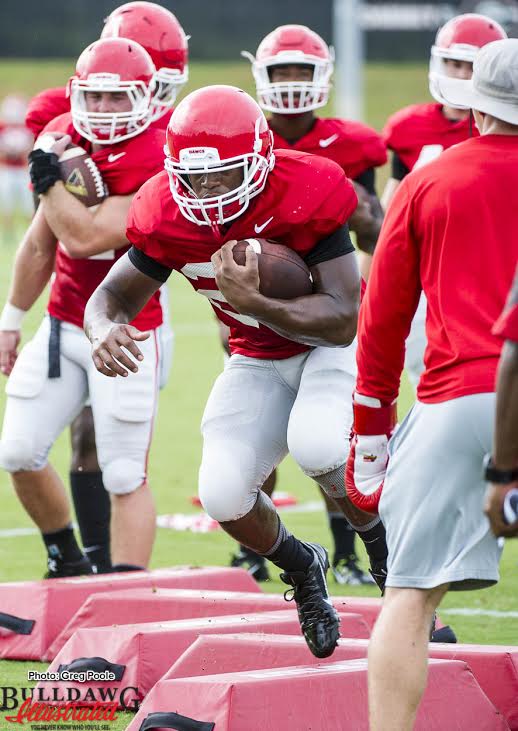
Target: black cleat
(317, 616)
(347, 571)
(58, 569)
(443, 634)
(252, 562)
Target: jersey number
(427, 154)
(205, 270)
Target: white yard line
(310, 507)
(465, 612)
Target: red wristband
(374, 420)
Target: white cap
(493, 88)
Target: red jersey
(306, 199)
(46, 106)
(506, 326)
(124, 166)
(352, 145)
(421, 132)
(15, 144)
(450, 232)
(50, 103)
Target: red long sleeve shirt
(451, 231)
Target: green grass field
(198, 360)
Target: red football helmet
(460, 39)
(292, 44)
(215, 129)
(116, 65)
(160, 33)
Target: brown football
(282, 273)
(81, 176)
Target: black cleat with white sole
(58, 569)
(318, 618)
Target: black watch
(499, 477)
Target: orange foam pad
(157, 605)
(321, 697)
(148, 650)
(50, 604)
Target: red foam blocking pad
(320, 697)
(236, 653)
(158, 605)
(139, 654)
(33, 613)
(496, 669)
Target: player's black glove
(43, 169)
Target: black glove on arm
(43, 169)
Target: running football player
(292, 361)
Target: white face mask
(107, 128)
(292, 97)
(217, 209)
(168, 84)
(457, 52)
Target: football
(81, 176)
(282, 273)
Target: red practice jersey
(451, 232)
(125, 166)
(50, 103)
(46, 106)
(507, 324)
(306, 199)
(421, 132)
(352, 145)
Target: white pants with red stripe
(39, 408)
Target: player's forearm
(505, 454)
(368, 231)
(72, 222)
(107, 306)
(32, 270)
(318, 319)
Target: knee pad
(227, 487)
(332, 482)
(16, 455)
(123, 475)
(317, 451)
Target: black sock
(288, 552)
(92, 506)
(62, 545)
(343, 536)
(121, 567)
(375, 542)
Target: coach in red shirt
(451, 233)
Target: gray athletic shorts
(432, 501)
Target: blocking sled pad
(495, 667)
(140, 654)
(33, 613)
(320, 697)
(158, 605)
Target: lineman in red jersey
(51, 379)
(432, 500)
(160, 33)
(419, 133)
(292, 69)
(502, 467)
(222, 183)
